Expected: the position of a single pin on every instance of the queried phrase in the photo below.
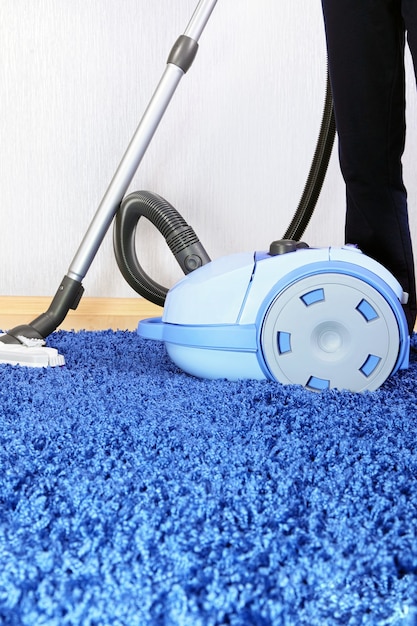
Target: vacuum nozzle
(25, 345)
(30, 353)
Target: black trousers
(365, 43)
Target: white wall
(232, 152)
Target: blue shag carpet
(133, 494)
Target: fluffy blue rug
(133, 494)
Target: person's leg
(365, 41)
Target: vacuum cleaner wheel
(330, 331)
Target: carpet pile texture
(133, 494)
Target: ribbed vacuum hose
(180, 237)
(317, 172)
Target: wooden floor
(91, 314)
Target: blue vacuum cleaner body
(322, 318)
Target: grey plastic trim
(183, 53)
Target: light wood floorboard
(91, 314)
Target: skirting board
(91, 314)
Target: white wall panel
(232, 152)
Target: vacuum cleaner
(323, 318)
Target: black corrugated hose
(179, 236)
